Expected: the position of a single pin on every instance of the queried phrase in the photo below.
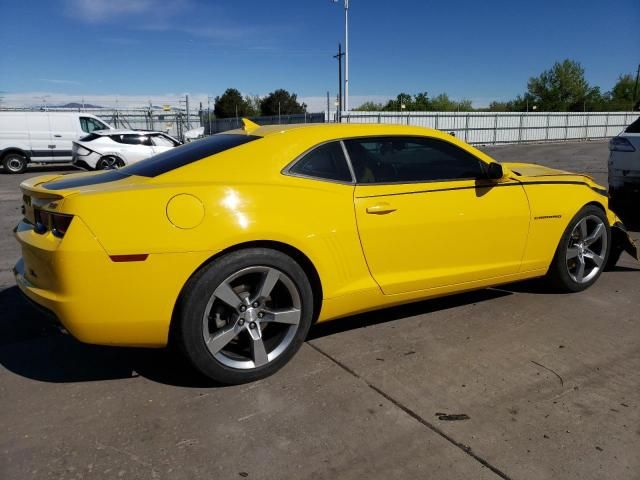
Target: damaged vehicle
(231, 247)
(624, 169)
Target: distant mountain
(78, 105)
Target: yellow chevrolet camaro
(233, 246)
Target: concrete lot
(550, 383)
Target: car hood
(525, 172)
(533, 170)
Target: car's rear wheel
(582, 252)
(14, 163)
(243, 316)
(109, 162)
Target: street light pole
(209, 113)
(635, 89)
(346, 53)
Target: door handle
(58, 136)
(380, 208)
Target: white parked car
(106, 149)
(41, 137)
(624, 167)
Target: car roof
(124, 131)
(338, 130)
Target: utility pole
(340, 99)
(188, 118)
(635, 89)
(151, 114)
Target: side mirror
(494, 172)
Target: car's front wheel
(244, 315)
(14, 163)
(582, 252)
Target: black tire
(559, 276)
(14, 163)
(196, 302)
(109, 162)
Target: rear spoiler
(32, 187)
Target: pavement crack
(465, 448)
(550, 370)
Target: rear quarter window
(186, 154)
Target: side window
(410, 159)
(326, 161)
(88, 124)
(133, 139)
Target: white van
(41, 137)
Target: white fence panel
(507, 127)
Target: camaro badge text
(547, 217)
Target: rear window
(634, 127)
(185, 154)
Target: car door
(40, 136)
(63, 133)
(162, 143)
(137, 147)
(428, 217)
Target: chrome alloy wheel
(587, 249)
(251, 317)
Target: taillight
(57, 223)
(621, 144)
(60, 224)
(80, 150)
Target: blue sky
(481, 50)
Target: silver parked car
(624, 167)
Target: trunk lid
(48, 192)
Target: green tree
(562, 88)
(281, 102)
(370, 107)
(231, 104)
(496, 106)
(442, 103)
(621, 95)
(395, 105)
(253, 105)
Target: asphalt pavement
(511, 382)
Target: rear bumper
(625, 191)
(95, 299)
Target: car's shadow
(33, 347)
